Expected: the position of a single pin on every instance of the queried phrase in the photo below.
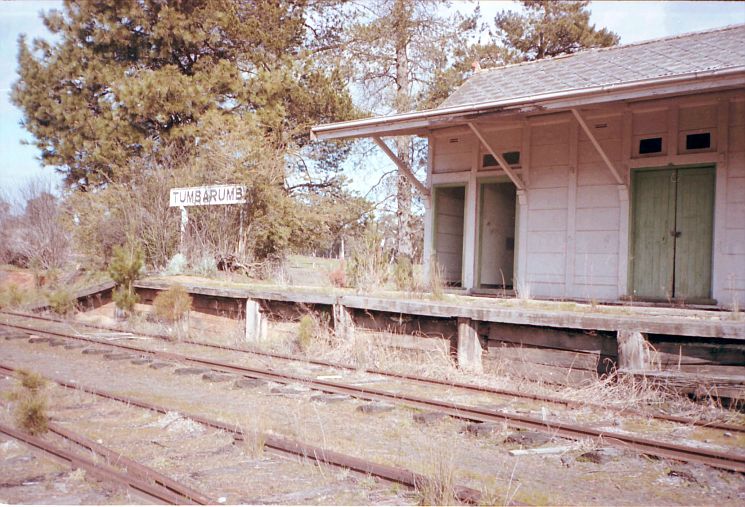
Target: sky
(633, 21)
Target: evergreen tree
(134, 77)
(550, 28)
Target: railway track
(136, 477)
(724, 426)
(273, 442)
(718, 459)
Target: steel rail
(417, 378)
(283, 445)
(101, 471)
(134, 468)
(717, 459)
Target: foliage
(403, 273)
(61, 302)
(129, 79)
(550, 28)
(126, 264)
(172, 304)
(338, 276)
(30, 406)
(308, 331)
(11, 296)
(367, 268)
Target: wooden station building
(606, 175)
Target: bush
(307, 332)
(12, 296)
(176, 265)
(125, 299)
(31, 413)
(124, 269)
(32, 381)
(403, 273)
(338, 276)
(173, 304)
(61, 302)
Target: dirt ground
(443, 448)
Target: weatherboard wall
(574, 239)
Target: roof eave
(419, 122)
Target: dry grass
(31, 412)
(439, 486)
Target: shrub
(125, 299)
(403, 273)
(32, 381)
(172, 304)
(61, 302)
(12, 296)
(308, 331)
(124, 269)
(176, 265)
(338, 276)
(31, 413)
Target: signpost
(207, 196)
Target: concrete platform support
(633, 351)
(469, 347)
(343, 322)
(256, 323)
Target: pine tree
(550, 28)
(135, 77)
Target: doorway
(673, 222)
(496, 235)
(449, 214)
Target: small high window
(700, 141)
(650, 145)
(511, 157)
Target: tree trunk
(404, 233)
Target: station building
(606, 175)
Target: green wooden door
(654, 247)
(673, 211)
(694, 216)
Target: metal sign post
(206, 196)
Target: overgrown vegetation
(172, 304)
(30, 409)
(125, 267)
(309, 332)
(61, 302)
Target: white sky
(632, 20)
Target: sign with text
(204, 196)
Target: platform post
(469, 347)
(343, 322)
(633, 351)
(256, 323)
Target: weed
(12, 296)
(125, 299)
(436, 278)
(308, 332)
(31, 381)
(61, 302)
(439, 487)
(403, 273)
(124, 269)
(31, 412)
(254, 438)
(172, 304)
(338, 276)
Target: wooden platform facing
(557, 342)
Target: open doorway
(449, 213)
(496, 258)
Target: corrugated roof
(717, 49)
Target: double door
(672, 220)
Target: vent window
(698, 141)
(511, 157)
(650, 145)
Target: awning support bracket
(599, 148)
(403, 167)
(499, 158)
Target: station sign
(210, 195)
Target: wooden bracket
(499, 158)
(402, 166)
(599, 148)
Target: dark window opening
(651, 145)
(698, 141)
(511, 157)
